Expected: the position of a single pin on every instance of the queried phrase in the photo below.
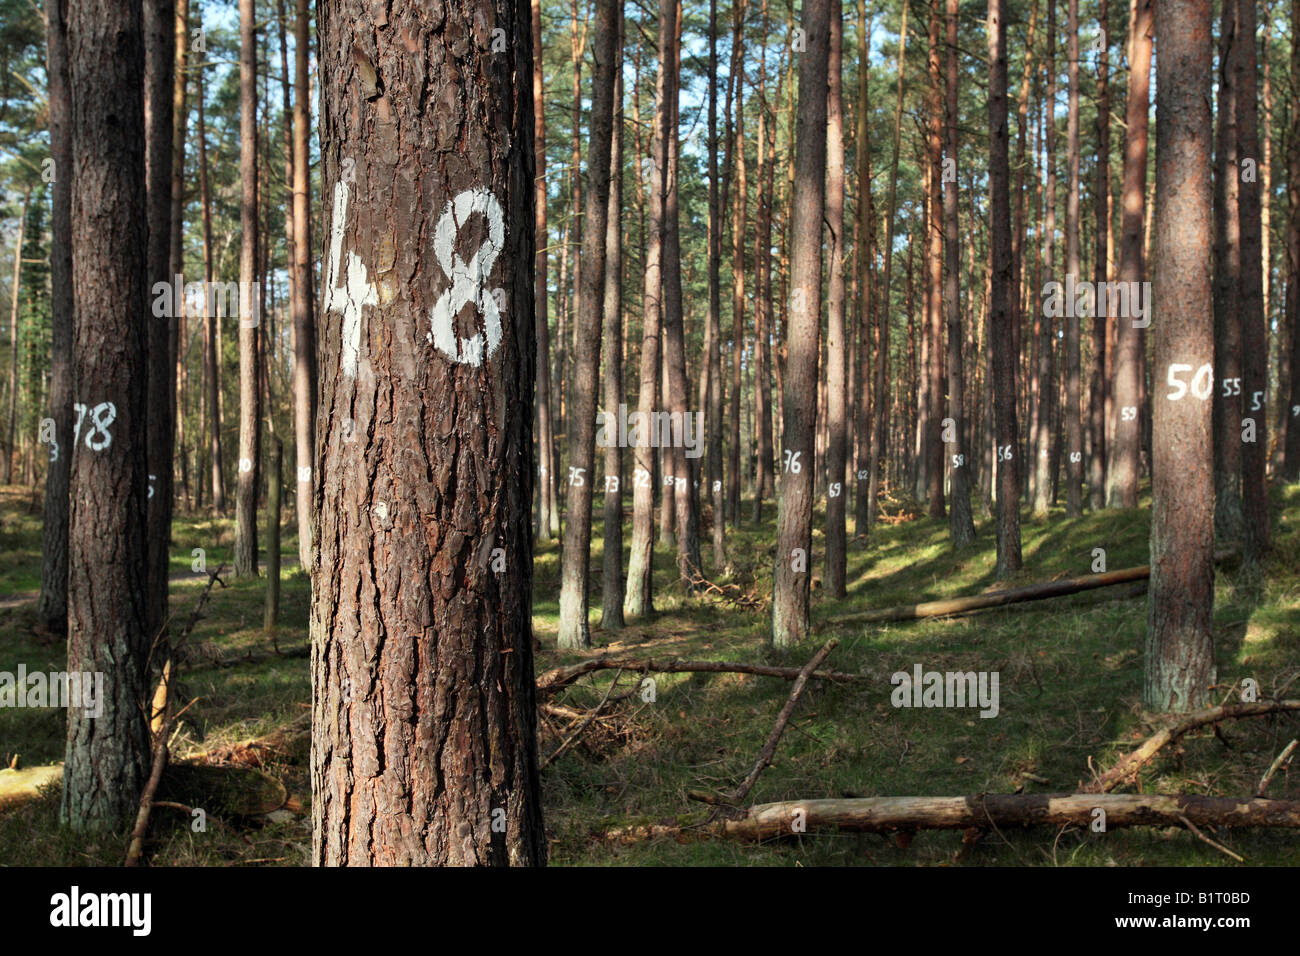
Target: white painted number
(640, 478)
(1005, 454)
(101, 416)
(611, 483)
(467, 278)
(575, 476)
(792, 463)
(1202, 383)
(835, 489)
(1128, 413)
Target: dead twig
(1283, 758)
(1204, 839)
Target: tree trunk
(1001, 314)
(1254, 337)
(880, 433)
(108, 752)
(1291, 462)
(274, 482)
(159, 66)
(1045, 385)
(1228, 519)
(612, 593)
(424, 720)
(1180, 635)
(1125, 462)
(573, 627)
(212, 358)
(306, 376)
(935, 368)
(548, 518)
(639, 601)
(866, 246)
(961, 525)
(684, 499)
(176, 246)
(790, 579)
(713, 391)
(738, 223)
(15, 287)
(1097, 379)
(52, 607)
(1073, 267)
(836, 345)
(249, 314)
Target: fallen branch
(769, 748)
(1131, 763)
(1283, 758)
(561, 677)
(1030, 592)
(982, 812)
(586, 722)
(964, 605)
(162, 718)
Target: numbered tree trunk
(866, 226)
(932, 434)
(573, 629)
(739, 222)
(250, 418)
(1227, 289)
(713, 392)
(107, 752)
(1001, 314)
(1125, 461)
(612, 592)
(424, 721)
(212, 358)
(1098, 383)
(1180, 625)
(1254, 337)
(1044, 390)
(791, 577)
(836, 345)
(961, 525)
(640, 566)
(52, 607)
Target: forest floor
(1070, 689)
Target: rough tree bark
(1098, 383)
(250, 419)
(107, 756)
(52, 606)
(1125, 463)
(574, 630)
(640, 565)
(932, 434)
(1254, 337)
(790, 579)
(548, 518)
(1291, 462)
(612, 593)
(306, 376)
(836, 346)
(423, 721)
(1228, 522)
(961, 524)
(159, 66)
(1180, 618)
(1074, 267)
(866, 226)
(1001, 314)
(15, 287)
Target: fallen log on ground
(981, 812)
(561, 677)
(1030, 592)
(964, 605)
(1131, 763)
